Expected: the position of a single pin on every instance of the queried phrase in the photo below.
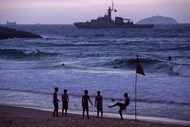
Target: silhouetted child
(99, 103)
(169, 58)
(65, 100)
(85, 99)
(55, 102)
(122, 105)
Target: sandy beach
(24, 117)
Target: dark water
(79, 59)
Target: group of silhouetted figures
(85, 100)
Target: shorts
(65, 105)
(85, 107)
(99, 106)
(55, 105)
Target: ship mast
(110, 9)
(109, 12)
(112, 5)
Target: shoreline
(74, 118)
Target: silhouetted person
(85, 99)
(55, 102)
(169, 58)
(115, 66)
(122, 106)
(65, 101)
(99, 103)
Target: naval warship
(107, 22)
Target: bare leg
(83, 113)
(54, 112)
(87, 114)
(116, 104)
(101, 112)
(120, 113)
(65, 112)
(97, 113)
(113, 105)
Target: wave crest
(19, 53)
(153, 65)
(181, 70)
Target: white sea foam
(182, 70)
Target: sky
(69, 11)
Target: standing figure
(122, 106)
(65, 101)
(55, 102)
(99, 103)
(85, 99)
(169, 58)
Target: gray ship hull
(87, 25)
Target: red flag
(139, 68)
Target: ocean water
(80, 59)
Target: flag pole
(139, 70)
(136, 97)
(136, 92)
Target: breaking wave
(181, 70)
(151, 65)
(19, 53)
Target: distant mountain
(158, 20)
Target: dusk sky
(69, 11)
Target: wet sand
(24, 117)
